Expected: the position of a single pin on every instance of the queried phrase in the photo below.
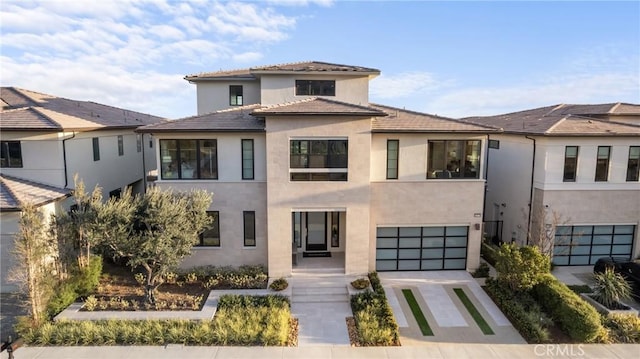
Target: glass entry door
(316, 231)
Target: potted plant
(609, 292)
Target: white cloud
(249, 22)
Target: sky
(451, 58)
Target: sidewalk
(434, 350)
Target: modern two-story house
(574, 168)
(301, 164)
(47, 140)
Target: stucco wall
(42, 159)
(285, 196)
(278, 89)
(214, 95)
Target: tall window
(189, 159)
(120, 145)
(211, 236)
(633, 166)
(315, 88)
(570, 163)
(454, 159)
(602, 163)
(139, 143)
(392, 159)
(249, 218)
(235, 95)
(11, 154)
(318, 160)
(96, 148)
(247, 160)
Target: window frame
(7, 160)
(390, 160)
(215, 228)
(138, 143)
(318, 159)
(249, 215)
(315, 88)
(568, 161)
(96, 148)
(244, 160)
(178, 161)
(633, 175)
(236, 95)
(602, 168)
(120, 145)
(448, 172)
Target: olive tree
(154, 231)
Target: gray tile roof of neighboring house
(306, 66)
(14, 192)
(625, 109)
(28, 110)
(560, 120)
(233, 120)
(319, 106)
(400, 120)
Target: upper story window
(249, 221)
(570, 163)
(120, 145)
(11, 154)
(315, 88)
(602, 163)
(235, 95)
(319, 160)
(454, 159)
(247, 159)
(211, 236)
(392, 159)
(139, 142)
(96, 148)
(189, 159)
(633, 166)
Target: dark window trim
(450, 174)
(566, 175)
(245, 215)
(216, 225)
(495, 144)
(390, 175)
(7, 160)
(633, 174)
(234, 96)
(96, 148)
(336, 164)
(310, 87)
(138, 143)
(120, 145)
(252, 176)
(198, 174)
(599, 176)
(335, 229)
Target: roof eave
(199, 130)
(359, 114)
(434, 131)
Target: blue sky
(448, 58)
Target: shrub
(360, 283)
(576, 317)
(610, 288)
(489, 253)
(80, 283)
(374, 318)
(482, 271)
(522, 310)
(91, 303)
(521, 268)
(623, 328)
(279, 284)
(580, 288)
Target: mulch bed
(354, 339)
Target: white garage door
(583, 245)
(421, 248)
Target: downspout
(144, 167)
(486, 181)
(533, 170)
(64, 158)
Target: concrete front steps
(315, 293)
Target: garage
(421, 248)
(583, 245)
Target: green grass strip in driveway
(484, 326)
(417, 312)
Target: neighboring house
(47, 140)
(577, 162)
(299, 162)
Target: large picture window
(570, 163)
(11, 154)
(602, 163)
(633, 166)
(315, 88)
(453, 159)
(319, 160)
(211, 236)
(189, 159)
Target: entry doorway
(316, 231)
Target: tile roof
(306, 66)
(14, 192)
(319, 106)
(400, 120)
(238, 119)
(560, 120)
(28, 110)
(625, 109)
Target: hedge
(374, 318)
(521, 309)
(576, 317)
(489, 253)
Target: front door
(316, 231)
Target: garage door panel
(456, 241)
(409, 254)
(387, 243)
(386, 265)
(455, 253)
(454, 264)
(432, 264)
(409, 265)
(621, 250)
(386, 254)
(410, 242)
(432, 242)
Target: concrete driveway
(447, 300)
